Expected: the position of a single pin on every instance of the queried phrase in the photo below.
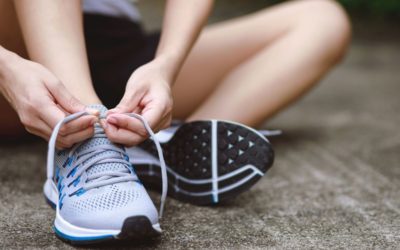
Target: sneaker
(96, 192)
(207, 161)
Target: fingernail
(94, 112)
(113, 111)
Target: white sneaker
(96, 192)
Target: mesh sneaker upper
(118, 196)
(101, 207)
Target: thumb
(65, 99)
(126, 105)
(153, 115)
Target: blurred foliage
(385, 11)
(377, 8)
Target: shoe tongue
(95, 142)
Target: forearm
(182, 24)
(53, 34)
(148, 91)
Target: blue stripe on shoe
(84, 238)
(74, 238)
(51, 204)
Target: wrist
(6, 58)
(169, 64)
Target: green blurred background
(373, 8)
(362, 8)
(373, 20)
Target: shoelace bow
(87, 158)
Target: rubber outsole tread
(137, 228)
(188, 153)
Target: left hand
(147, 93)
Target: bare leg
(249, 68)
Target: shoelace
(268, 133)
(89, 157)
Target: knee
(331, 25)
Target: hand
(148, 93)
(41, 100)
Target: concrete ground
(335, 183)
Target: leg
(249, 68)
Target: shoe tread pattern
(189, 154)
(189, 151)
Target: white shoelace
(268, 133)
(90, 157)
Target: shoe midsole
(66, 228)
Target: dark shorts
(116, 47)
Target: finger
(39, 133)
(128, 123)
(165, 123)
(41, 129)
(44, 131)
(79, 136)
(94, 112)
(136, 110)
(134, 125)
(51, 115)
(122, 136)
(77, 125)
(64, 98)
(153, 115)
(127, 104)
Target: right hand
(41, 100)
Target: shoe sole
(207, 161)
(133, 228)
